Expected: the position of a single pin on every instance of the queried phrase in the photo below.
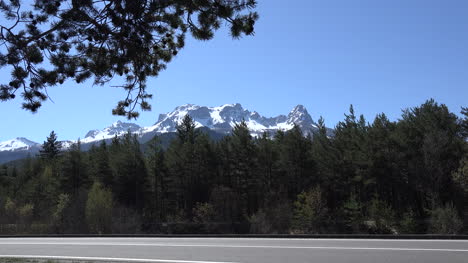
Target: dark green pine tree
(99, 159)
(24, 184)
(242, 167)
(3, 170)
(430, 145)
(205, 168)
(186, 131)
(5, 183)
(325, 156)
(464, 122)
(157, 182)
(129, 169)
(74, 172)
(181, 165)
(223, 155)
(351, 142)
(267, 160)
(190, 163)
(295, 162)
(51, 147)
(389, 185)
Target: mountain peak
(22, 139)
(121, 124)
(300, 108)
(299, 115)
(18, 144)
(116, 124)
(117, 128)
(237, 105)
(223, 118)
(187, 106)
(220, 119)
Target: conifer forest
(371, 176)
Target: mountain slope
(116, 129)
(218, 121)
(18, 144)
(223, 118)
(17, 148)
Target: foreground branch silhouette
(50, 41)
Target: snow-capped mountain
(65, 144)
(17, 148)
(116, 129)
(18, 144)
(220, 120)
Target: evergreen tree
(205, 169)
(74, 174)
(310, 211)
(431, 149)
(326, 159)
(352, 211)
(224, 156)
(6, 182)
(186, 132)
(460, 177)
(157, 181)
(181, 162)
(129, 168)
(295, 162)
(351, 141)
(100, 165)
(242, 167)
(267, 161)
(408, 176)
(227, 204)
(190, 162)
(51, 147)
(464, 122)
(383, 154)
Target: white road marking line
(245, 246)
(109, 259)
(244, 239)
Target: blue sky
(380, 56)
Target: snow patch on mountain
(116, 129)
(224, 118)
(18, 144)
(67, 144)
(220, 119)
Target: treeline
(408, 176)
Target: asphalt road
(247, 250)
